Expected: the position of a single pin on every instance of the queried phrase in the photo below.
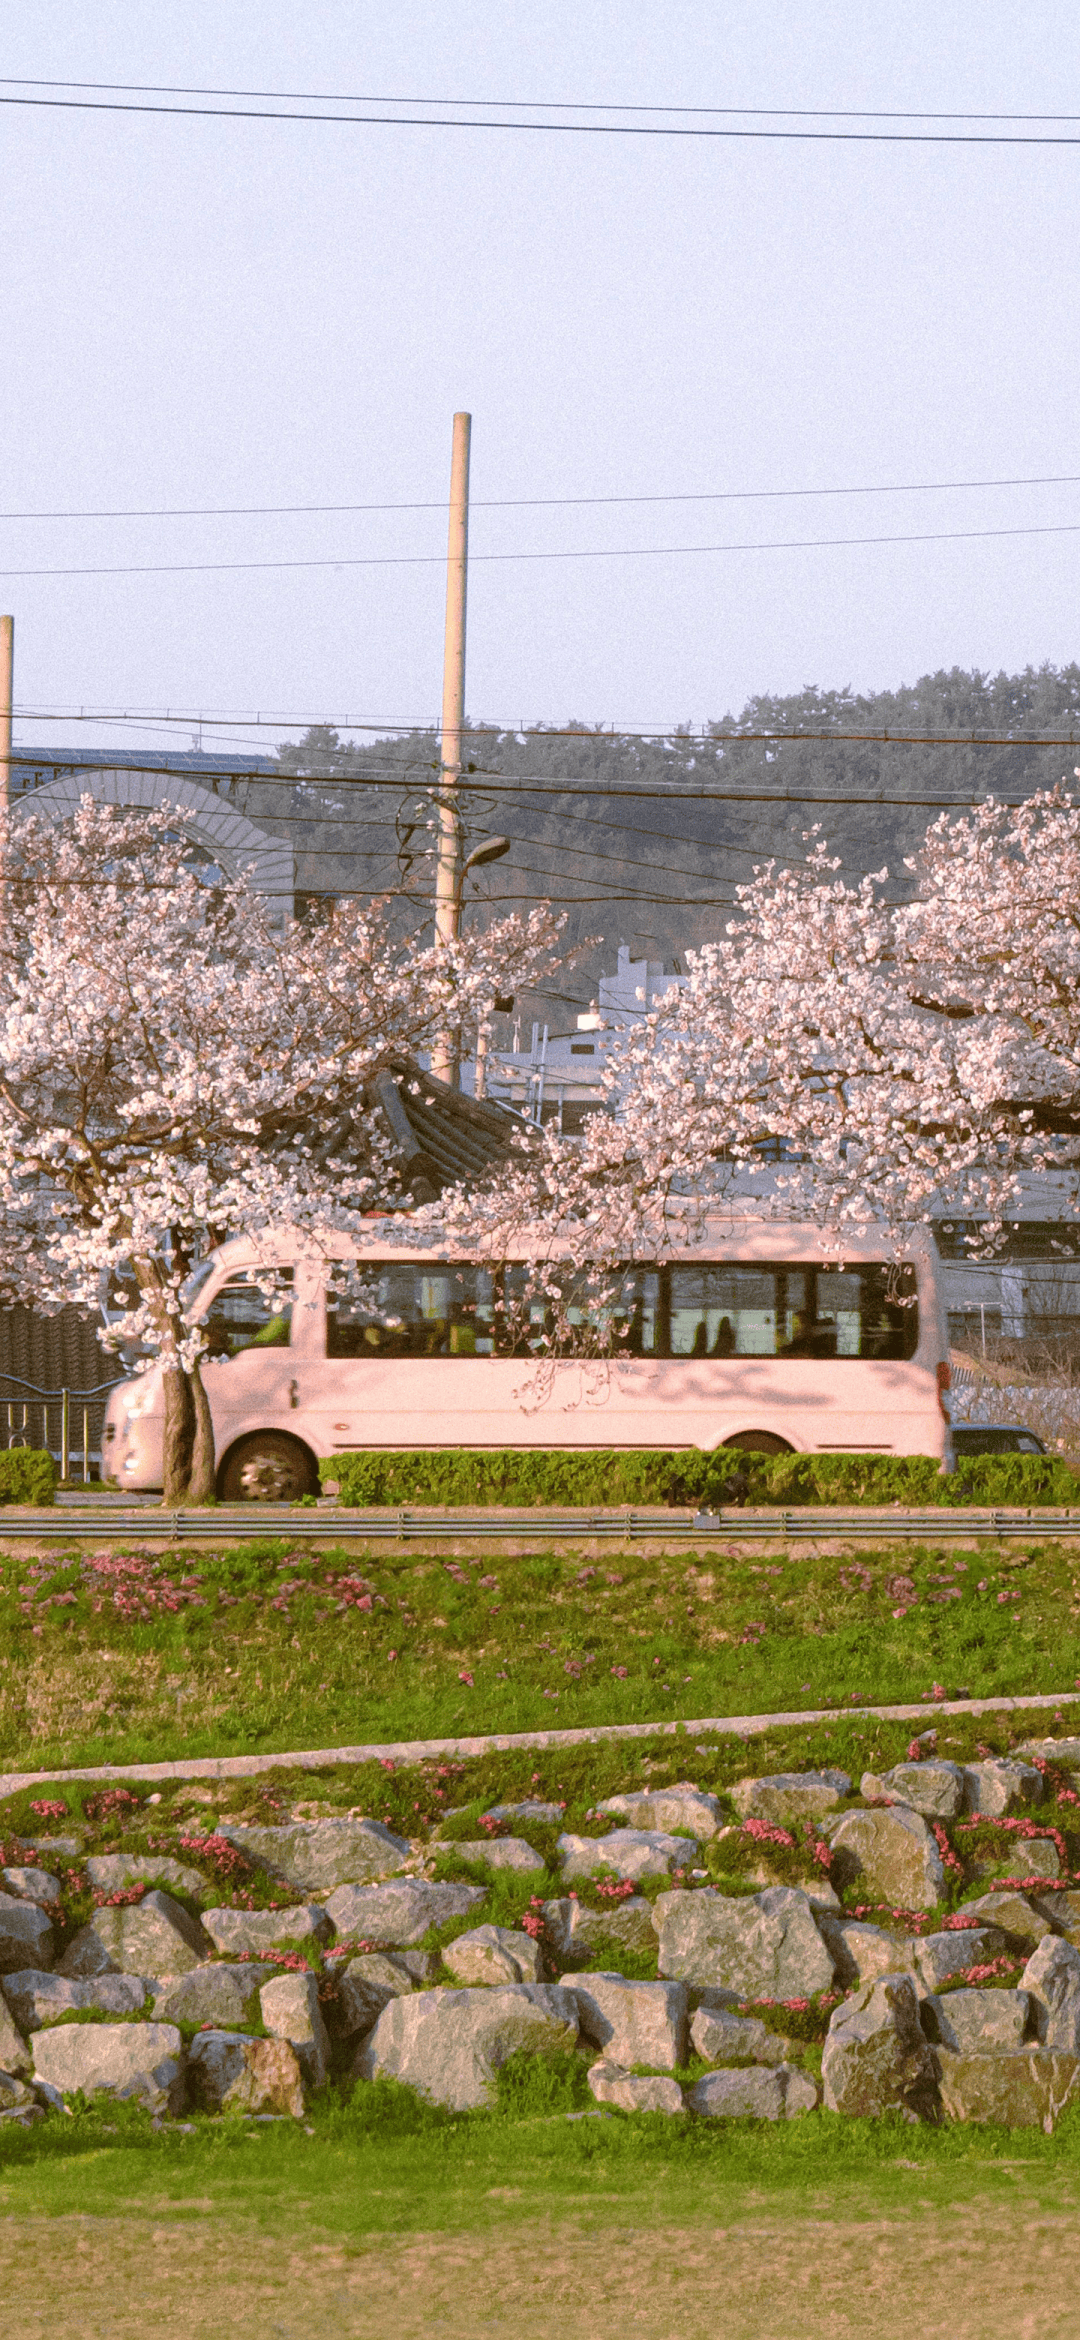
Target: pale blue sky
(238, 312)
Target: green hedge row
(26, 1476)
(609, 1476)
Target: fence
(994, 1333)
(66, 1423)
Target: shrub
(27, 1475)
(606, 1476)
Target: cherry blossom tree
(175, 1069)
(845, 1058)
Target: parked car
(995, 1438)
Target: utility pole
(7, 668)
(448, 871)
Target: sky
(206, 313)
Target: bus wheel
(760, 1442)
(267, 1468)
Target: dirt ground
(965, 2272)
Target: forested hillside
(644, 841)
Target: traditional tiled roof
(442, 1135)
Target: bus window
(710, 1310)
(568, 1311)
(398, 1308)
(721, 1311)
(241, 1317)
(793, 1311)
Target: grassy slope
(389, 2215)
(108, 1657)
(421, 2219)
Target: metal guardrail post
(65, 1432)
(86, 1446)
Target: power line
(623, 552)
(571, 785)
(713, 736)
(549, 503)
(536, 105)
(551, 128)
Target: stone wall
(868, 1966)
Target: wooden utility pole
(448, 871)
(7, 669)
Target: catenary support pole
(444, 1062)
(7, 673)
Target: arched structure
(238, 847)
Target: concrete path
(406, 1751)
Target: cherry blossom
(175, 1068)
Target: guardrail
(48, 1418)
(112, 1518)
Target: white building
(559, 1077)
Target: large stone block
(790, 1795)
(1027, 2090)
(500, 1852)
(683, 1811)
(14, 2053)
(764, 1946)
(316, 1855)
(37, 1998)
(367, 1984)
(1023, 1925)
(626, 1852)
(754, 2093)
(1064, 1751)
(876, 2057)
(154, 1936)
(494, 1954)
(144, 2060)
(632, 2022)
(1052, 1976)
(1027, 1857)
(939, 1956)
(634, 2091)
(396, 1916)
(978, 2023)
(723, 2038)
(932, 1788)
(532, 1809)
(229, 2073)
(44, 1849)
(1000, 1784)
(862, 1951)
(1060, 1911)
(110, 1872)
(32, 1885)
(15, 2095)
(26, 1936)
(580, 1936)
(234, 1930)
(896, 1854)
(449, 2044)
(290, 2010)
(225, 1996)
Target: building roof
(440, 1135)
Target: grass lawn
(128, 1655)
(406, 2222)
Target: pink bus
(752, 1338)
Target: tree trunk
(188, 1438)
(202, 1483)
(178, 1434)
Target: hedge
(27, 1475)
(606, 1476)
